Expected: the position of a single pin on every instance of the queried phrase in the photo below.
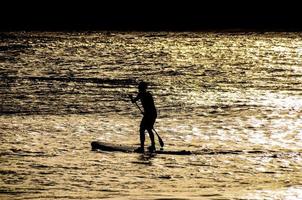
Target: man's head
(142, 86)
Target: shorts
(148, 122)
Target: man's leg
(142, 129)
(151, 137)
(141, 149)
(152, 147)
(142, 137)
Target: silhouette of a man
(149, 117)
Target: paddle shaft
(159, 138)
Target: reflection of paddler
(149, 115)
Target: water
(215, 91)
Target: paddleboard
(109, 147)
(102, 146)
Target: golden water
(217, 91)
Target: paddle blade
(161, 142)
(159, 139)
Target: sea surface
(234, 92)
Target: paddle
(159, 138)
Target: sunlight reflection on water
(291, 193)
(237, 95)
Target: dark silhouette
(104, 146)
(149, 115)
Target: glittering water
(217, 91)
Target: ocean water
(238, 92)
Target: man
(149, 117)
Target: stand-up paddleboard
(102, 146)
